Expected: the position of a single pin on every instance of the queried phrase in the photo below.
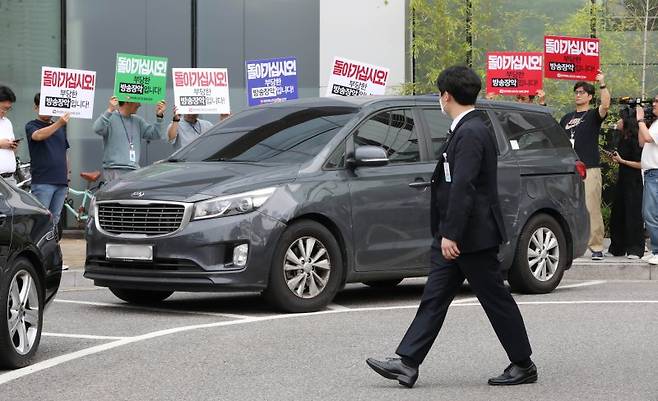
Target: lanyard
(129, 137)
(194, 127)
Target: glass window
(269, 135)
(394, 131)
(439, 124)
(530, 131)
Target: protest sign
(66, 90)
(514, 73)
(571, 58)
(354, 78)
(201, 90)
(271, 80)
(140, 78)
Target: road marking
(585, 284)
(151, 309)
(49, 363)
(465, 300)
(337, 307)
(82, 336)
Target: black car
(31, 262)
(297, 199)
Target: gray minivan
(298, 198)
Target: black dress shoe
(395, 369)
(514, 374)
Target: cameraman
(626, 225)
(647, 138)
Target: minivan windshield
(269, 135)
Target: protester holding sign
(182, 133)
(48, 145)
(584, 128)
(122, 132)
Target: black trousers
(482, 270)
(626, 221)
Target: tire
(549, 257)
(383, 283)
(312, 284)
(140, 297)
(22, 303)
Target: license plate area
(129, 252)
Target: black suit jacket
(466, 210)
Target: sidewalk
(584, 268)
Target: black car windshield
(269, 135)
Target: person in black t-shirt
(48, 145)
(584, 128)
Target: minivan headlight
(232, 204)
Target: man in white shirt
(180, 133)
(8, 142)
(648, 138)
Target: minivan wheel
(140, 297)
(21, 297)
(383, 283)
(306, 269)
(541, 256)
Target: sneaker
(631, 256)
(647, 257)
(65, 267)
(598, 255)
(653, 260)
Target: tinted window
(394, 131)
(269, 135)
(528, 130)
(439, 124)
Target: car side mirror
(370, 156)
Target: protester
(466, 241)
(626, 225)
(540, 96)
(48, 145)
(648, 137)
(182, 133)
(122, 132)
(584, 128)
(8, 143)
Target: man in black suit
(467, 227)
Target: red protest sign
(571, 58)
(514, 73)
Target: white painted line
(465, 300)
(82, 336)
(585, 284)
(337, 307)
(151, 309)
(49, 363)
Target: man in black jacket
(467, 227)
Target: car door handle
(420, 184)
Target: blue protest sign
(272, 80)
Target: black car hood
(191, 182)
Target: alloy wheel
(23, 312)
(307, 267)
(543, 254)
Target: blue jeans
(650, 207)
(52, 197)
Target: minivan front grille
(147, 219)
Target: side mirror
(370, 156)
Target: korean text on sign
(140, 78)
(201, 90)
(571, 58)
(354, 78)
(67, 91)
(514, 73)
(271, 80)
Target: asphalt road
(592, 340)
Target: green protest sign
(140, 78)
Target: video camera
(633, 102)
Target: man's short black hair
(37, 98)
(586, 86)
(7, 94)
(461, 82)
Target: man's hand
(541, 96)
(160, 109)
(7, 144)
(600, 78)
(176, 116)
(639, 112)
(616, 158)
(449, 249)
(114, 104)
(64, 119)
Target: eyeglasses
(655, 100)
(579, 92)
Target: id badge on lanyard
(446, 168)
(133, 155)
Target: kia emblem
(137, 194)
